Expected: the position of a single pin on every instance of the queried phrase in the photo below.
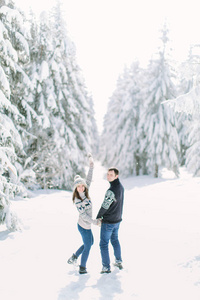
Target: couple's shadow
(72, 291)
(109, 285)
(105, 287)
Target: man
(110, 214)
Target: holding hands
(97, 222)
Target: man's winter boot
(105, 270)
(72, 259)
(82, 270)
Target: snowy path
(160, 238)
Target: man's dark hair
(114, 169)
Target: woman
(84, 206)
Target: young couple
(108, 217)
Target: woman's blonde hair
(76, 194)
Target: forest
(47, 117)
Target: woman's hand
(97, 222)
(91, 160)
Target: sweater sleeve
(89, 175)
(108, 200)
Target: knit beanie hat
(79, 180)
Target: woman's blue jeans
(109, 232)
(88, 241)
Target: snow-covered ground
(159, 234)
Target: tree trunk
(156, 171)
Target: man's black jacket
(112, 206)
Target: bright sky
(110, 34)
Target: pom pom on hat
(76, 177)
(79, 180)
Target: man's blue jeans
(88, 241)
(109, 232)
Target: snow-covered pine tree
(193, 152)
(22, 95)
(108, 139)
(41, 147)
(11, 145)
(191, 123)
(120, 145)
(187, 71)
(77, 106)
(189, 105)
(158, 122)
(61, 100)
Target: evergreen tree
(43, 102)
(159, 123)
(11, 146)
(187, 71)
(193, 152)
(21, 88)
(120, 138)
(188, 106)
(63, 104)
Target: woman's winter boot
(72, 259)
